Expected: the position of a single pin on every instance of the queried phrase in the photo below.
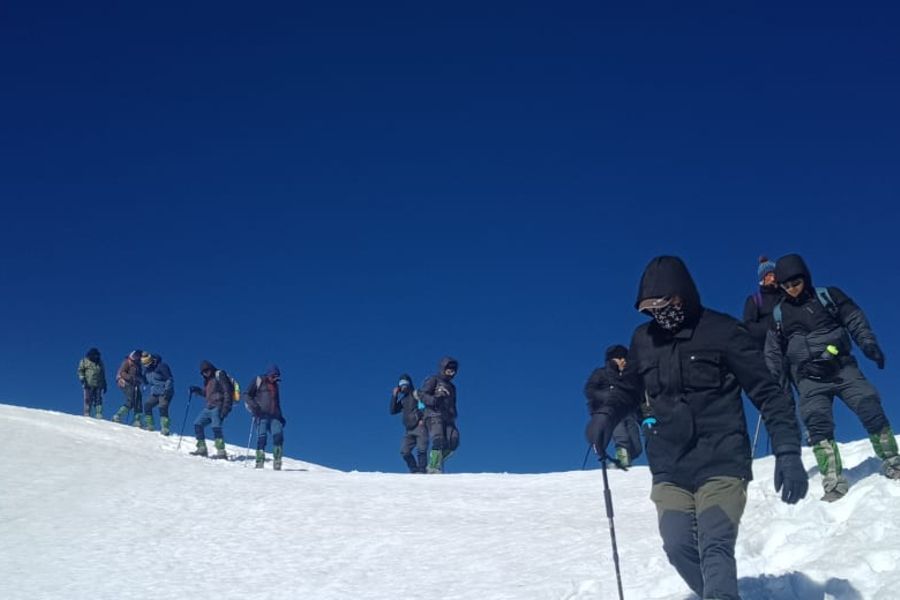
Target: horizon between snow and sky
(355, 191)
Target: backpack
(231, 384)
(824, 298)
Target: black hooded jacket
(758, 315)
(405, 402)
(601, 383)
(807, 326)
(438, 393)
(693, 379)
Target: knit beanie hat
(766, 266)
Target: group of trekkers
(429, 418)
(682, 377)
(145, 372)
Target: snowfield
(90, 509)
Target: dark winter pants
(417, 438)
(133, 398)
(208, 416)
(435, 427)
(699, 531)
(92, 398)
(627, 435)
(265, 425)
(162, 401)
(851, 386)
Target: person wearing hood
(129, 379)
(759, 305)
(218, 391)
(403, 400)
(92, 376)
(813, 333)
(627, 434)
(162, 388)
(691, 363)
(438, 394)
(264, 402)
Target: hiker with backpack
(759, 305)
(627, 434)
(92, 376)
(689, 364)
(438, 394)
(264, 403)
(811, 335)
(218, 389)
(403, 400)
(129, 379)
(162, 388)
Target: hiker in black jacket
(812, 333)
(416, 436)
(759, 305)
(438, 394)
(692, 363)
(627, 434)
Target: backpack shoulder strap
(827, 301)
(757, 297)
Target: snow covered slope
(98, 511)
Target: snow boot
(138, 420)
(201, 449)
(260, 458)
(885, 445)
(220, 448)
(277, 453)
(164, 425)
(828, 458)
(623, 458)
(149, 425)
(435, 461)
(120, 414)
(98, 411)
(411, 463)
(87, 412)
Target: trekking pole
(253, 424)
(586, 454)
(756, 434)
(607, 495)
(184, 421)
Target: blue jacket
(159, 379)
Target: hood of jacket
(668, 276)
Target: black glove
(790, 477)
(599, 432)
(874, 353)
(195, 389)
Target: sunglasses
(792, 283)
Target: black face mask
(670, 317)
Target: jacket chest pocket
(649, 372)
(701, 370)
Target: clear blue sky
(353, 191)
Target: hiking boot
(201, 449)
(435, 461)
(98, 411)
(149, 425)
(832, 496)
(220, 448)
(828, 458)
(164, 425)
(138, 420)
(260, 459)
(120, 414)
(623, 458)
(890, 468)
(277, 453)
(87, 412)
